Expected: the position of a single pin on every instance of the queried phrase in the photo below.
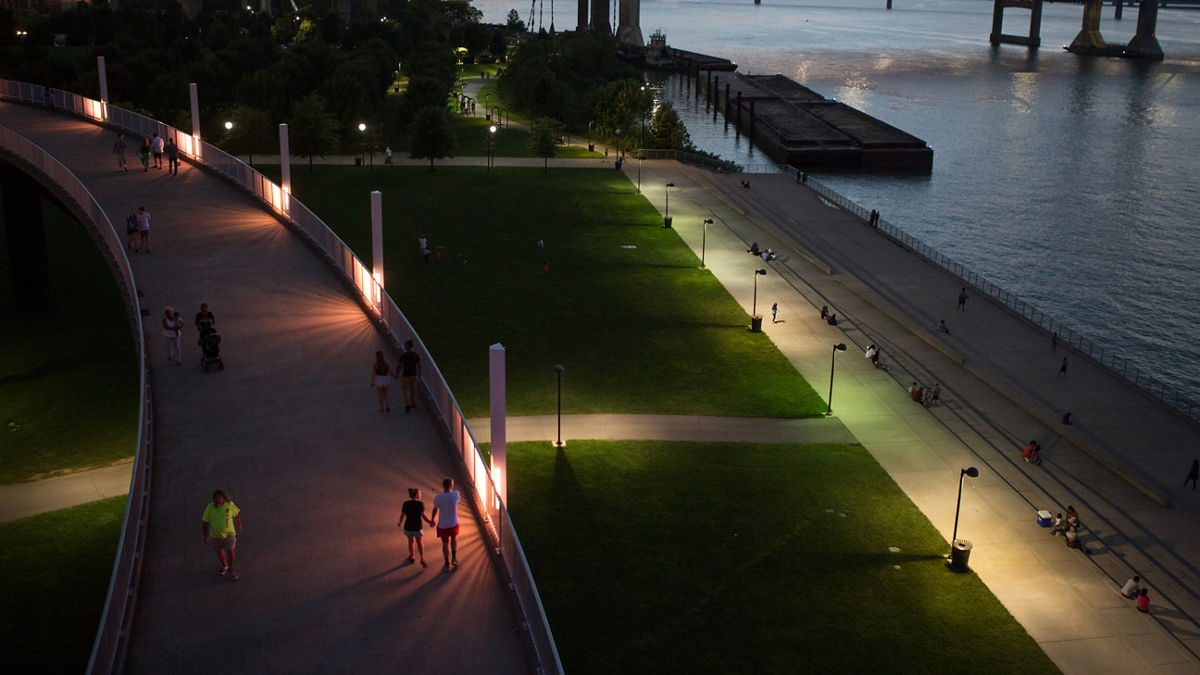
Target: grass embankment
(68, 375)
(57, 568)
(624, 307)
(707, 558)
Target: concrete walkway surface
(666, 428)
(291, 430)
(21, 500)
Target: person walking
(1193, 474)
(381, 379)
(774, 312)
(445, 511)
(205, 318)
(220, 525)
(119, 151)
(143, 227)
(172, 152)
(156, 150)
(1062, 370)
(411, 515)
(172, 327)
(410, 373)
(144, 154)
(962, 300)
(131, 231)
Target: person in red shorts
(445, 512)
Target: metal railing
(1170, 396)
(111, 638)
(499, 527)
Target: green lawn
(719, 558)
(624, 308)
(68, 375)
(57, 568)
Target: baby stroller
(210, 349)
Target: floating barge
(795, 125)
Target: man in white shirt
(445, 512)
(1131, 587)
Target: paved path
(291, 430)
(21, 500)
(667, 428)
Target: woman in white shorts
(381, 379)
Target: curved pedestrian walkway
(291, 430)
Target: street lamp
(959, 555)
(642, 140)
(832, 360)
(362, 134)
(755, 319)
(491, 147)
(667, 215)
(559, 369)
(704, 240)
(487, 99)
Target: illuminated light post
(642, 140)
(667, 215)
(840, 347)
(559, 369)
(960, 553)
(704, 240)
(362, 135)
(491, 147)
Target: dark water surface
(1068, 180)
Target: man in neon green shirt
(220, 525)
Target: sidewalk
(1007, 392)
(22, 500)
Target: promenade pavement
(291, 430)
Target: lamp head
(492, 128)
(558, 368)
(670, 185)
(362, 127)
(971, 471)
(708, 221)
(757, 272)
(841, 347)
(228, 126)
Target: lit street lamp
(491, 147)
(667, 215)
(487, 99)
(362, 134)
(642, 140)
(704, 240)
(960, 553)
(840, 347)
(559, 369)
(755, 319)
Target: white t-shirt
(446, 504)
(1130, 589)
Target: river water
(1068, 180)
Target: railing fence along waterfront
(499, 526)
(1118, 365)
(111, 639)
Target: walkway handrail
(1119, 366)
(492, 508)
(111, 638)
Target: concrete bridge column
(25, 229)
(629, 28)
(581, 21)
(1034, 39)
(1144, 44)
(600, 17)
(499, 450)
(102, 73)
(285, 164)
(377, 247)
(1089, 40)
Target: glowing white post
(195, 94)
(285, 161)
(103, 75)
(377, 245)
(499, 457)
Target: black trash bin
(756, 323)
(960, 553)
(666, 221)
(591, 147)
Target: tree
(667, 131)
(429, 135)
(252, 131)
(543, 139)
(514, 21)
(312, 130)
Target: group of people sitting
(1032, 453)
(1134, 590)
(766, 254)
(928, 397)
(829, 317)
(1068, 525)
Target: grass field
(719, 558)
(68, 376)
(57, 568)
(624, 307)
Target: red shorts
(446, 533)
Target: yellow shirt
(220, 519)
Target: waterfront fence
(112, 637)
(498, 525)
(1170, 395)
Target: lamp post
(362, 135)
(704, 240)
(642, 139)
(667, 215)
(959, 562)
(228, 128)
(491, 147)
(755, 319)
(840, 347)
(487, 100)
(559, 369)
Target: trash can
(756, 323)
(960, 553)
(358, 161)
(591, 147)
(666, 221)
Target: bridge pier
(1034, 39)
(25, 230)
(1144, 44)
(1089, 40)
